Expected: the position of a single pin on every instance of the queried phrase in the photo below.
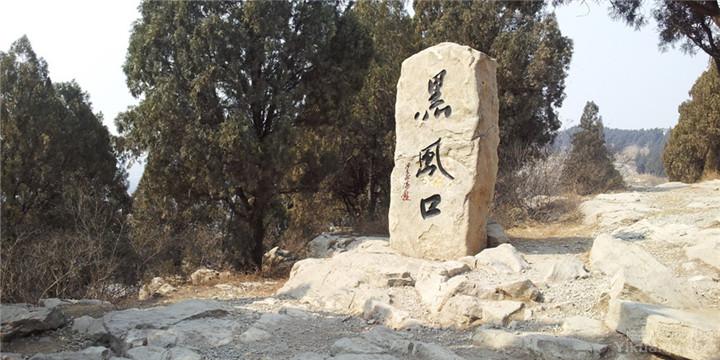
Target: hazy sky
(634, 84)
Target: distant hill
(641, 149)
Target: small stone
(504, 259)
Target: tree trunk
(371, 195)
(258, 234)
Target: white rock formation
(637, 275)
(504, 259)
(687, 334)
(538, 345)
(446, 118)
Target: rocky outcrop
(637, 275)
(91, 353)
(687, 334)
(538, 345)
(131, 327)
(24, 319)
(348, 280)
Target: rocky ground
(637, 279)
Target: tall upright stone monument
(446, 130)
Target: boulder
(24, 319)
(680, 333)
(584, 327)
(91, 353)
(147, 353)
(254, 334)
(325, 245)
(566, 270)
(495, 234)
(434, 284)
(637, 275)
(90, 327)
(345, 282)
(157, 287)
(446, 119)
(539, 345)
(503, 259)
(523, 290)
(204, 276)
(388, 315)
(463, 310)
(277, 261)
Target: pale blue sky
(634, 84)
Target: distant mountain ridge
(641, 149)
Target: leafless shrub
(529, 188)
(81, 260)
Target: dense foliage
(236, 103)
(589, 168)
(60, 182)
(693, 150)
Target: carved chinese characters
(446, 117)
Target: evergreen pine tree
(589, 167)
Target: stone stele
(446, 117)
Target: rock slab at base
(442, 184)
(687, 334)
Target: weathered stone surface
(204, 276)
(157, 287)
(91, 353)
(504, 259)
(158, 353)
(345, 282)
(146, 353)
(584, 327)
(89, 326)
(388, 315)
(637, 275)
(463, 310)
(131, 326)
(181, 353)
(688, 334)
(355, 345)
(277, 260)
(707, 251)
(538, 345)
(436, 282)
(24, 319)
(566, 270)
(444, 164)
(254, 334)
(523, 290)
(325, 245)
(495, 234)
